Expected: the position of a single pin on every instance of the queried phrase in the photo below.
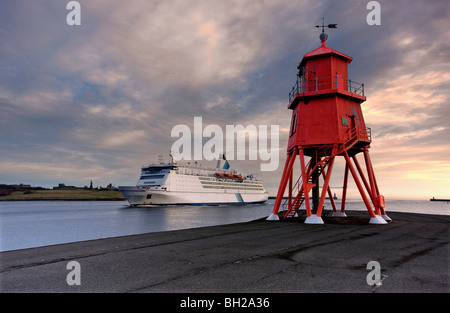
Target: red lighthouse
(327, 122)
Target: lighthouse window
(294, 124)
(344, 121)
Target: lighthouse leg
(375, 219)
(344, 193)
(284, 180)
(325, 187)
(276, 207)
(311, 218)
(290, 189)
(368, 188)
(373, 182)
(306, 187)
(383, 212)
(330, 195)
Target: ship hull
(141, 196)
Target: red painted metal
(286, 173)
(327, 121)
(381, 201)
(290, 189)
(325, 187)
(344, 189)
(281, 190)
(368, 188)
(358, 184)
(330, 194)
(306, 186)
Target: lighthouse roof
(323, 50)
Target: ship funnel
(222, 162)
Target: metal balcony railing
(325, 83)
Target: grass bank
(64, 194)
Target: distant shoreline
(65, 195)
(61, 199)
(441, 200)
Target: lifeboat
(228, 175)
(219, 174)
(238, 176)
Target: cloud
(178, 42)
(408, 100)
(104, 96)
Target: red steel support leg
(372, 181)
(387, 218)
(280, 191)
(284, 179)
(370, 173)
(330, 194)
(378, 192)
(374, 219)
(375, 186)
(344, 189)
(311, 218)
(383, 212)
(305, 182)
(325, 187)
(369, 190)
(290, 188)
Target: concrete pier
(258, 256)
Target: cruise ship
(192, 184)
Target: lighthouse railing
(337, 81)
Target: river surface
(27, 224)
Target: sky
(99, 100)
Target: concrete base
(339, 214)
(273, 217)
(377, 220)
(314, 219)
(386, 218)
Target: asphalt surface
(255, 257)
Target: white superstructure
(193, 184)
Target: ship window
(155, 170)
(152, 176)
(149, 196)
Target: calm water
(38, 223)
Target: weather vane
(323, 36)
(323, 25)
